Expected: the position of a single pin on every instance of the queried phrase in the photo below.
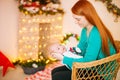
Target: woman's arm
(91, 52)
(82, 40)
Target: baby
(57, 51)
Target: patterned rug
(45, 74)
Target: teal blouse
(91, 47)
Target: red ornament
(71, 49)
(5, 62)
(33, 4)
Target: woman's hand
(57, 56)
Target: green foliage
(29, 64)
(35, 7)
(111, 7)
(67, 36)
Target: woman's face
(81, 20)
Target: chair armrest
(97, 62)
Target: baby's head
(57, 48)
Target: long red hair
(84, 7)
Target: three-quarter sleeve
(93, 44)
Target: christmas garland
(67, 36)
(39, 7)
(111, 7)
(31, 63)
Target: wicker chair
(104, 69)
(117, 43)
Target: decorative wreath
(67, 36)
(38, 7)
(111, 7)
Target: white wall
(8, 27)
(108, 18)
(9, 23)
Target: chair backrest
(117, 43)
(103, 69)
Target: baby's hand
(75, 50)
(57, 56)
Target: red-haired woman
(96, 42)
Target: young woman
(96, 42)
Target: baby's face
(58, 48)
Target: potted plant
(32, 66)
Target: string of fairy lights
(34, 33)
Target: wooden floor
(18, 74)
(13, 74)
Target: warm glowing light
(35, 33)
(40, 46)
(44, 45)
(43, 20)
(29, 21)
(31, 30)
(32, 37)
(48, 37)
(25, 54)
(52, 59)
(48, 20)
(59, 18)
(47, 61)
(40, 12)
(51, 28)
(20, 41)
(46, 29)
(26, 12)
(43, 37)
(23, 20)
(40, 29)
(53, 20)
(24, 29)
(33, 20)
(20, 31)
(41, 57)
(36, 29)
